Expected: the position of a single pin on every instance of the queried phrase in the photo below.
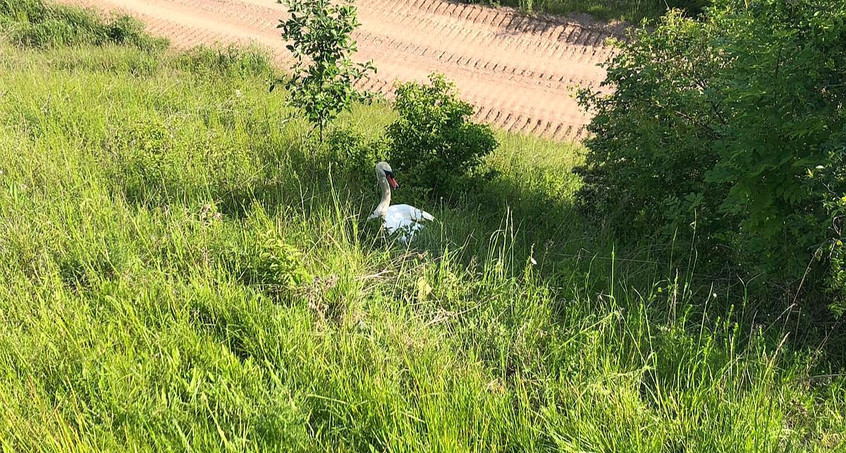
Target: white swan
(401, 218)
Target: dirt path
(517, 70)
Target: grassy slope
(131, 315)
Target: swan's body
(406, 218)
(403, 219)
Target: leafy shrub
(721, 128)
(263, 258)
(352, 153)
(834, 177)
(646, 162)
(32, 23)
(277, 263)
(433, 143)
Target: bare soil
(519, 70)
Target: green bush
(351, 153)
(728, 129)
(433, 143)
(835, 247)
(277, 263)
(262, 257)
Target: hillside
(184, 268)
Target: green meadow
(183, 268)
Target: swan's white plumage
(406, 219)
(402, 219)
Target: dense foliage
(731, 128)
(323, 77)
(354, 154)
(433, 142)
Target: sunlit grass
(182, 268)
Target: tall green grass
(32, 23)
(184, 269)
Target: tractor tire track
(518, 70)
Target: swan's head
(383, 171)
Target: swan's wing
(410, 225)
(411, 213)
(406, 230)
(397, 221)
(394, 221)
(406, 220)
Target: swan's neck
(382, 208)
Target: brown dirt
(519, 70)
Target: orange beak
(392, 182)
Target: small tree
(323, 75)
